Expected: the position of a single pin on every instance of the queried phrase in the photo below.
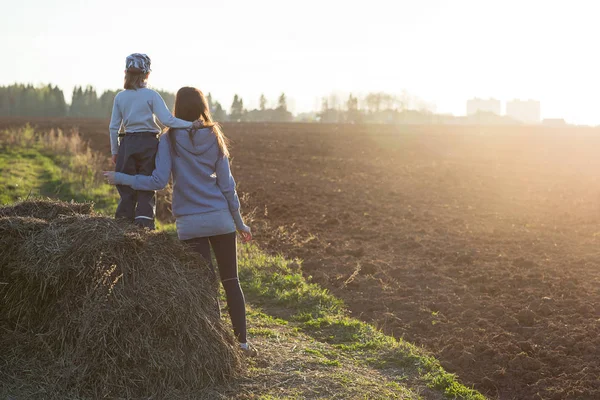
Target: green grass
(25, 173)
(34, 165)
(310, 345)
(166, 227)
(32, 173)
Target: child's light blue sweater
(135, 111)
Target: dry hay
(164, 211)
(92, 308)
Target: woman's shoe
(248, 349)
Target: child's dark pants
(136, 157)
(225, 250)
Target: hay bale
(94, 308)
(46, 209)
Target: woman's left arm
(159, 178)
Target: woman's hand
(114, 159)
(197, 124)
(109, 176)
(246, 234)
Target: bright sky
(442, 51)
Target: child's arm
(115, 124)
(159, 108)
(160, 176)
(226, 183)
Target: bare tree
(373, 102)
(263, 102)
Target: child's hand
(246, 234)
(110, 177)
(197, 124)
(114, 159)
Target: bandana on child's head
(138, 61)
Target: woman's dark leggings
(225, 249)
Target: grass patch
(285, 286)
(25, 173)
(52, 164)
(266, 332)
(263, 319)
(170, 228)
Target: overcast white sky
(442, 51)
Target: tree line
(49, 101)
(30, 101)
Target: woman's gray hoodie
(202, 180)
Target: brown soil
(479, 243)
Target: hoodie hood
(203, 140)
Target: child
(134, 110)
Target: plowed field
(482, 244)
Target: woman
(205, 203)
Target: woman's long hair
(190, 105)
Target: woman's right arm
(159, 108)
(226, 183)
(160, 176)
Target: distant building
(475, 106)
(528, 111)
